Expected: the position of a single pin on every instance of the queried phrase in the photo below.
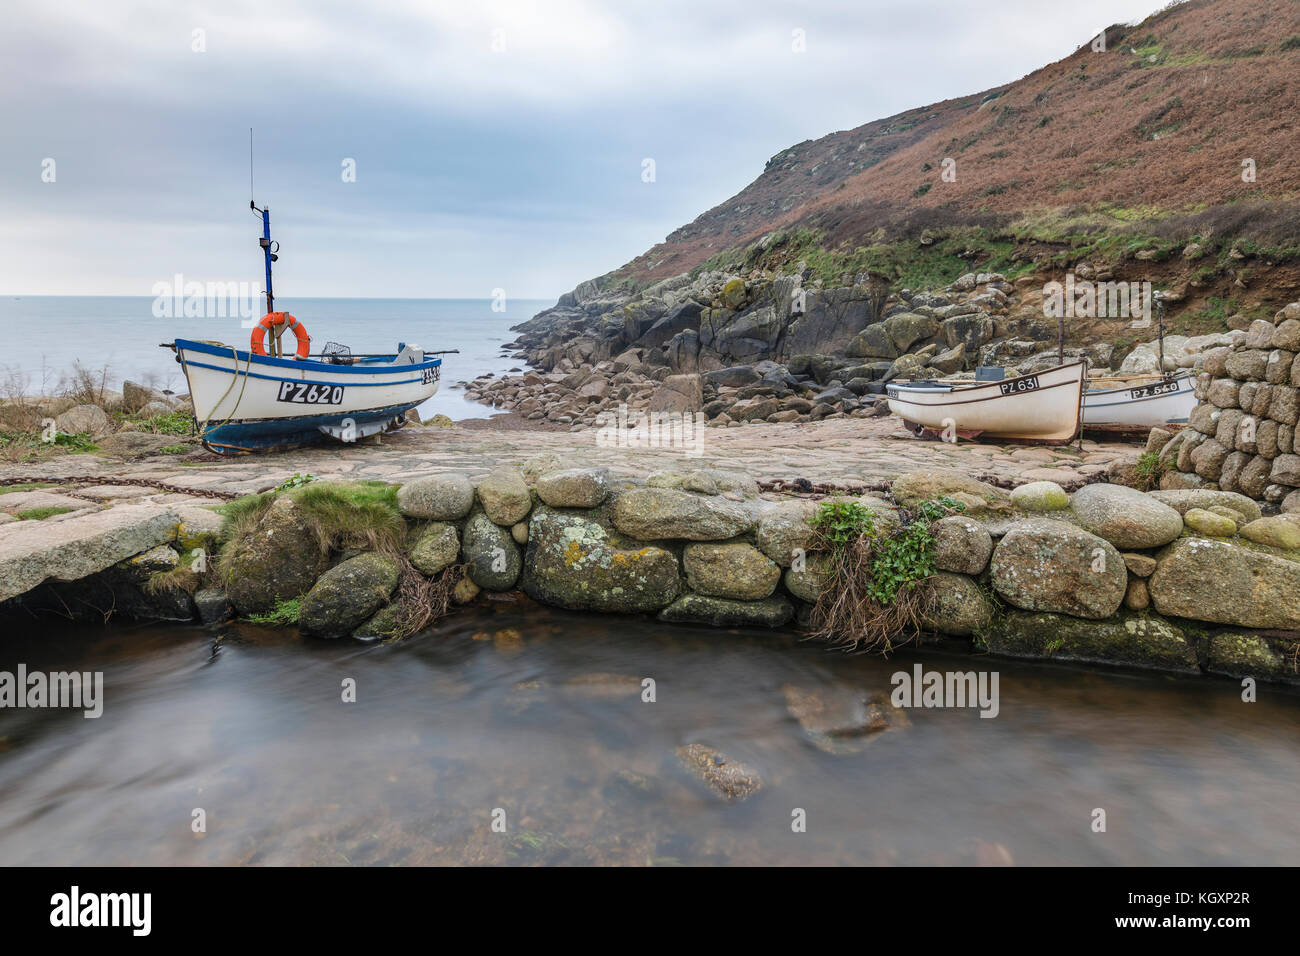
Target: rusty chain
(118, 480)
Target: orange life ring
(299, 331)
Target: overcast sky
(496, 145)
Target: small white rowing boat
(1166, 401)
(1042, 407)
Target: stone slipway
(80, 545)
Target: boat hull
(1156, 403)
(246, 402)
(1040, 407)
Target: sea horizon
(116, 338)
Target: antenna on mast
(250, 167)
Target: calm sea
(44, 337)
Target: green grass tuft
(40, 514)
(284, 614)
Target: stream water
(538, 713)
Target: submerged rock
(728, 778)
(841, 720)
(724, 612)
(347, 594)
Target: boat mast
(265, 242)
(1160, 331)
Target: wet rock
(1040, 496)
(730, 570)
(491, 553)
(574, 488)
(384, 625)
(1126, 517)
(347, 594)
(1044, 565)
(576, 562)
(961, 545)
(841, 719)
(279, 560)
(438, 497)
(1133, 639)
(436, 548)
(465, 591)
(505, 496)
(212, 605)
(958, 606)
(1226, 583)
(725, 612)
(729, 778)
(1244, 654)
(649, 514)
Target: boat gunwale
(251, 358)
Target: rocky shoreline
(785, 348)
(1108, 575)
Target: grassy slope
(1098, 156)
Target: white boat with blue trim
(261, 399)
(246, 402)
(1141, 404)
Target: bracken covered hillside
(1126, 156)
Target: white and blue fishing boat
(260, 399)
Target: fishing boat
(260, 399)
(1042, 407)
(1137, 404)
